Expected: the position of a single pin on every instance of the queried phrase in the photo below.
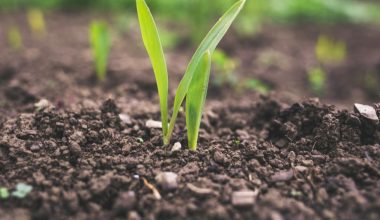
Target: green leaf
(195, 99)
(4, 193)
(209, 43)
(153, 46)
(22, 190)
(100, 44)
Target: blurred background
(296, 48)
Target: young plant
(193, 85)
(14, 38)
(317, 80)
(225, 68)
(4, 193)
(36, 22)
(329, 51)
(100, 44)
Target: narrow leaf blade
(153, 46)
(209, 43)
(100, 43)
(195, 99)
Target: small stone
(281, 143)
(34, 148)
(153, 124)
(125, 119)
(219, 157)
(301, 169)
(307, 163)
(282, 176)
(176, 147)
(198, 190)
(75, 148)
(42, 104)
(133, 215)
(167, 180)
(367, 112)
(244, 198)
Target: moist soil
(88, 153)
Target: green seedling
(22, 190)
(257, 85)
(14, 38)
(4, 193)
(100, 45)
(194, 83)
(329, 51)
(36, 21)
(317, 80)
(225, 68)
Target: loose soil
(297, 159)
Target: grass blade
(153, 46)
(209, 43)
(100, 44)
(195, 99)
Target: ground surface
(292, 159)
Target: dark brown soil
(294, 159)
(305, 161)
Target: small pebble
(34, 148)
(301, 168)
(176, 147)
(125, 119)
(153, 124)
(244, 198)
(367, 112)
(167, 180)
(282, 176)
(42, 104)
(198, 190)
(307, 163)
(133, 215)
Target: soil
(88, 153)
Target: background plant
(100, 45)
(14, 38)
(36, 21)
(193, 85)
(330, 51)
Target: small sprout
(15, 38)
(36, 22)
(22, 190)
(257, 85)
(225, 68)
(236, 141)
(100, 45)
(193, 85)
(4, 193)
(329, 51)
(317, 80)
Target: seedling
(100, 44)
(36, 22)
(225, 68)
(4, 193)
(257, 85)
(14, 38)
(22, 190)
(329, 51)
(317, 80)
(194, 83)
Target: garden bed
(88, 153)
